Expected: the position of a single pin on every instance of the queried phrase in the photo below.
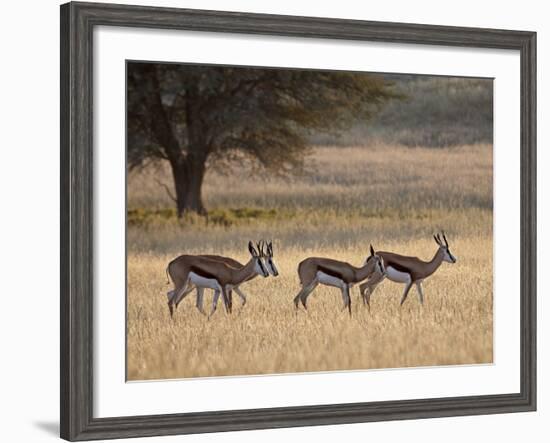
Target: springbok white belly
(204, 282)
(397, 276)
(329, 280)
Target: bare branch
(167, 189)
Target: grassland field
(349, 197)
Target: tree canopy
(194, 116)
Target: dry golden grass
(372, 180)
(390, 196)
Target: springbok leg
(240, 294)
(189, 289)
(347, 298)
(200, 300)
(420, 293)
(367, 289)
(177, 293)
(305, 292)
(408, 287)
(298, 297)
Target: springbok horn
(260, 247)
(436, 240)
(445, 238)
(263, 246)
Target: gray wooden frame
(77, 24)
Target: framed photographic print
(273, 221)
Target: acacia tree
(194, 116)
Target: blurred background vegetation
(435, 112)
(191, 125)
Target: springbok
(342, 275)
(269, 263)
(408, 270)
(191, 270)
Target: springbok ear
(371, 250)
(260, 246)
(270, 248)
(251, 249)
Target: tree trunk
(188, 166)
(188, 178)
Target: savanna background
(320, 172)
